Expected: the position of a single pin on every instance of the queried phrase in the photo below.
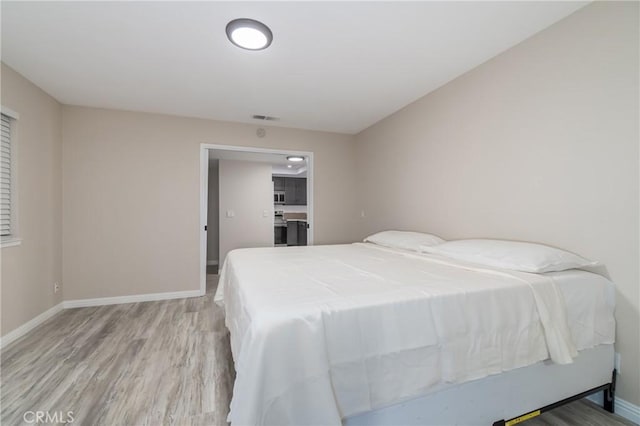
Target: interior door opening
(252, 197)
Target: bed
(363, 334)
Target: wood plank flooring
(165, 362)
(579, 413)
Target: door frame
(204, 195)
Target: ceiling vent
(264, 117)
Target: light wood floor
(140, 363)
(165, 362)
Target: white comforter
(321, 333)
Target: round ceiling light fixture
(295, 158)
(249, 34)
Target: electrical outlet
(617, 362)
(56, 287)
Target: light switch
(265, 213)
(231, 213)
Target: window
(7, 177)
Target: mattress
(325, 332)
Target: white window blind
(6, 196)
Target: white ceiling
(335, 66)
(280, 164)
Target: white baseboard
(628, 410)
(212, 262)
(83, 303)
(622, 408)
(29, 325)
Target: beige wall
(538, 144)
(131, 196)
(28, 271)
(246, 190)
(213, 210)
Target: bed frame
(505, 399)
(609, 390)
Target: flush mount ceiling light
(295, 158)
(249, 34)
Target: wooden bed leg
(610, 394)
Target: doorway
(245, 212)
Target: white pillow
(518, 256)
(404, 240)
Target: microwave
(278, 197)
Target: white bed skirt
(502, 396)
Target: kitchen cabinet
(295, 191)
(301, 191)
(302, 233)
(292, 233)
(278, 183)
(296, 233)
